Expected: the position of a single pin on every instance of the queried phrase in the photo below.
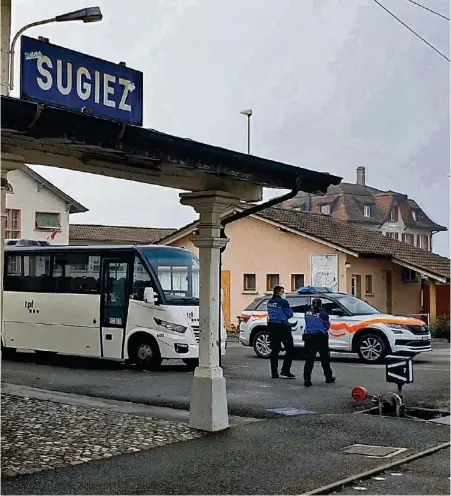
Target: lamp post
(248, 114)
(90, 14)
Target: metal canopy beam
(50, 136)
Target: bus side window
(76, 273)
(13, 273)
(141, 280)
(38, 278)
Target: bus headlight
(170, 327)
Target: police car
(356, 326)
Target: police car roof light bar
(311, 290)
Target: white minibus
(139, 304)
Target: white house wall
(29, 197)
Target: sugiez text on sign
(61, 77)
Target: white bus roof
(62, 248)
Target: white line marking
(397, 364)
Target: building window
(356, 286)
(414, 215)
(325, 209)
(393, 217)
(45, 220)
(272, 280)
(12, 224)
(424, 242)
(408, 239)
(392, 235)
(249, 282)
(367, 210)
(369, 284)
(297, 281)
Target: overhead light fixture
(90, 14)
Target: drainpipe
(241, 215)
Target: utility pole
(248, 114)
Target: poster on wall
(325, 271)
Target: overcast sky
(333, 84)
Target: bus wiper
(184, 300)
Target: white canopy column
(208, 409)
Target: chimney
(361, 175)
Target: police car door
(338, 336)
(299, 305)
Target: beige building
(293, 249)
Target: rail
(421, 316)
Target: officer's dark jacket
(279, 310)
(317, 321)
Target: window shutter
(47, 221)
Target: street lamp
(90, 14)
(248, 113)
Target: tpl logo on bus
(29, 305)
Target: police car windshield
(355, 306)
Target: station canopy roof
(74, 140)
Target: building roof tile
(348, 236)
(355, 196)
(117, 234)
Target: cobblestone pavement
(41, 435)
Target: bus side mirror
(149, 296)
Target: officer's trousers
(316, 343)
(278, 334)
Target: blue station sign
(64, 78)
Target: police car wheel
(371, 348)
(262, 347)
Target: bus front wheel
(146, 354)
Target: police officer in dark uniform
(279, 329)
(316, 339)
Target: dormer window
(325, 209)
(367, 210)
(393, 217)
(414, 215)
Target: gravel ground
(41, 435)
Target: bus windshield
(178, 273)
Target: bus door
(114, 305)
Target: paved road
(278, 456)
(429, 475)
(250, 390)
